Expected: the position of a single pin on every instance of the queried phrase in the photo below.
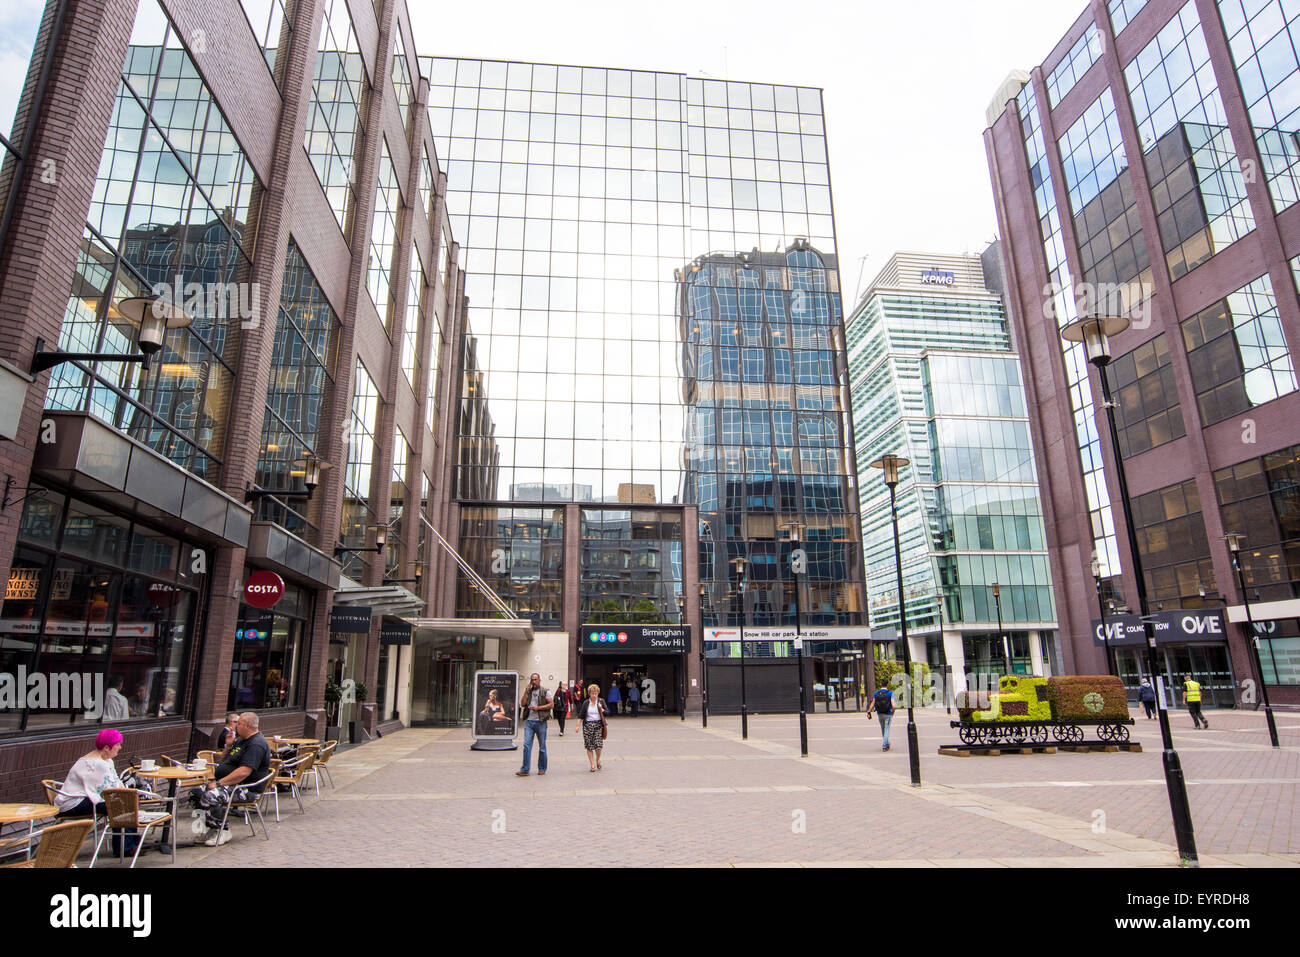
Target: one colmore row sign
(1177, 625)
(643, 639)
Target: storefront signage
(1180, 624)
(831, 633)
(350, 619)
(938, 277)
(263, 589)
(395, 633)
(496, 700)
(24, 583)
(652, 639)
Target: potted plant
(333, 696)
(356, 726)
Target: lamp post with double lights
(1234, 541)
(1094, 333)
(1095, 568)
(744, 701)
(681, 689)
(704, 662)
(890, 464)
(798, 565)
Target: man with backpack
(882, 703)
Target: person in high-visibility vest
(1192, 698)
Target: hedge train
(1030, 709)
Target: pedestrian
(248, 759)
(613, 697)
(634, 697)
(882, 703)
(81, 794)
(536, 705)
(561, 700)
(1147, 695)
(591, 715)
(227, 736)
(1192, 698)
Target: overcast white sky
(906, 85)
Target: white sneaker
(218, 840)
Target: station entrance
(651, 658)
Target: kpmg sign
(1177, 625)
(938, 277)
(641, 639)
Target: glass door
(452, 697)
(1211, 667)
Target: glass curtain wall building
(1154, 172)
(623, 342)
(935, 379)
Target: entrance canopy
(508, 629)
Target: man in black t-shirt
(247, 760)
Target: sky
(906, 88)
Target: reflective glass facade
(336, 115)
(604, 211)
(934, 380)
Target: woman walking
(591, 715)
(561, 705)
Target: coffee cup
(200, 763)
(147, 764)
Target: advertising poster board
(496, 701)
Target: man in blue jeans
(882, 703)
(537, 703)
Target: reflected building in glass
(1150, 165)
(608, 216)
(935, 380)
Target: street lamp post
(1002, 637)
(1234, 541)
(681, 690)
(704, 664)
(744, 701)
(890, 464)
(1095, 332)
(1101, 605)
(798, 563)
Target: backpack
(884, 701)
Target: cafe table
(179, 777)
(31, 813)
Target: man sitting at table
(248, 759)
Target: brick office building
(1199, 242)
(278, 172)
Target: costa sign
(263, 589)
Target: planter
(332, 732)
(356, 732)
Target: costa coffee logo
(263, 589)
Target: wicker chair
(251, 805)
(292, 773)
(59, 845)
(54, 790)
(323, 759)
(124, 812)
(209, 756)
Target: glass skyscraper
(935, 380)
(650, 261)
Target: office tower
(634, 244)
(1149, 167)
(936, 380)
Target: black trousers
(1198, 719)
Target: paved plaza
(673, 793)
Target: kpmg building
(652, 262)
(1150, 165)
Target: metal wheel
(968, 733)
(1060, 733)
(993, 734)
(1018, 733)
(1038, 734)
(1121, 732)
(1106, 732)
(1073, 733)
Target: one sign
(350, 619)
(263, 589)
(807, 633)
(1177, 625)
(621, 639)
(938, 277)
(496, 700)
(395, 633)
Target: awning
(1266, 610)
(509, 629)
(383, 599)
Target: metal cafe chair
(124, 812)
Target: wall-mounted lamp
(313, 469)
(381, 539)
(154, 316)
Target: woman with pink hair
(92, 774)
